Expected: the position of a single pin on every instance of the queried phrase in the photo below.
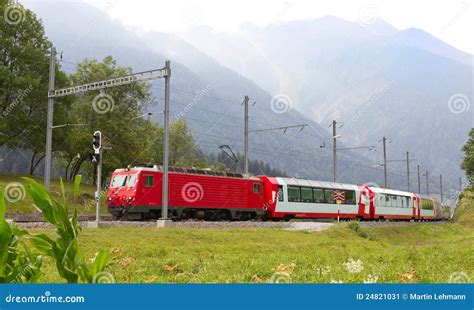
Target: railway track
(29, 221)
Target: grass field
(18, 202)
(417, 253)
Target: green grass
(23, 204)
(421, 253)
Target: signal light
(96, 141)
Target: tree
(125, 137)
(24, 68)
(468, 161)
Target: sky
(449, 20)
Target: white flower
(324, 270)
(354, 266)
(371, 279)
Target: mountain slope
(203, 92)
(377, 80)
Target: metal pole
(99, 187)
(49, 120)
(419, 179)
(385, 161)
(460, 184)
(441, 187)
(166, 137)
(408, 171)
(427, 184)
(334, 141)
(246, 135)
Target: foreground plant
(17, 263)
(64, 249)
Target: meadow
(347, 253)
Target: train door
(149, 189)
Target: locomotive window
(328, 195)
(132, 180)
(306, 194)
(280, 193)
(118, 181)
(149, 181)
(294, 194)
(318, 195)
(408, 199)
(256, 188)
(350, 198)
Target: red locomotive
(136, 193)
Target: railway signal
(94, 158)
(339, 197)
(97, 160)
(97, 142)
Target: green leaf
(63, 192)
(2, 206)
(5, 240)
(77, 183)
(101, 261)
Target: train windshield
(132, 180)
(118, 181)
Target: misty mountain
(205, 93)
(379, 81)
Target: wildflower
(354, 266)
(371, 279)
(324, 270)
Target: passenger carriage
(296, 198)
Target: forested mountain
(325, 79)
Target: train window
(387, 202)
(118, 181)
(408, 202)
(427, 204)
(132, 180)
(350, 198)
(328, 195)
(149, 180)
(380, 200)
(294, 194)
(318, 195)
(280, 193)
(256, 188)
(306, 194)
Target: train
(135, 193)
